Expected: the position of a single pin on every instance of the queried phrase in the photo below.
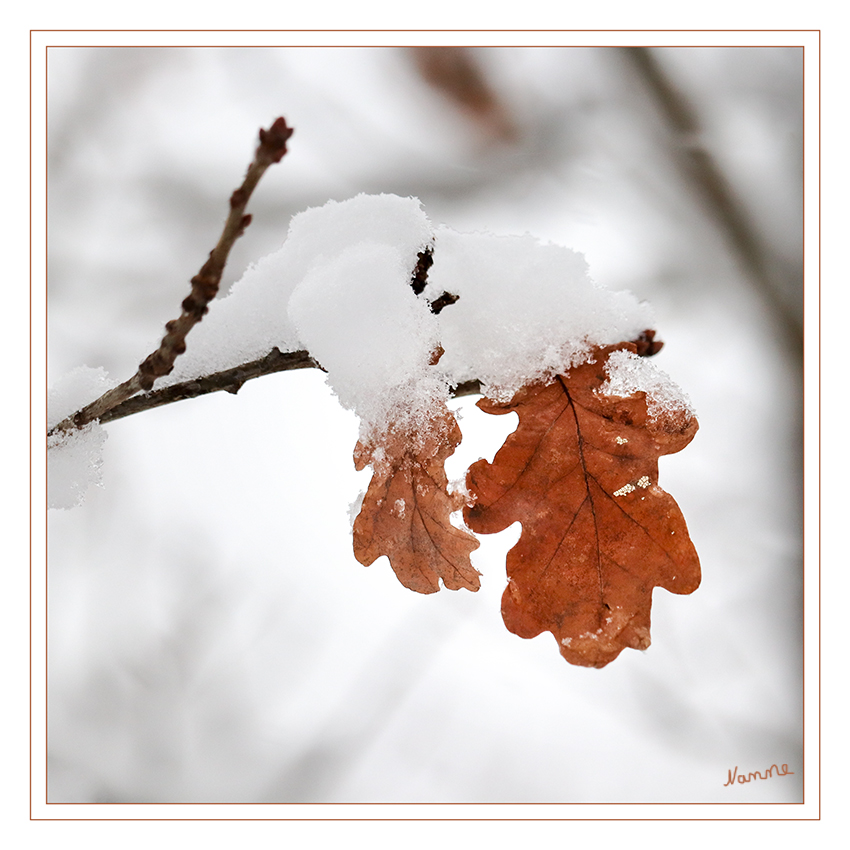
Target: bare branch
(229, 381)
(205, 286)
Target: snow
(359, 317)
(74, 463)
(629, 374)
(354, 508)
(74, 459)
(254, 316)
(74, 390)
(526, 310)
(340, 287)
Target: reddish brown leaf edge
(580, 474)
(406, 511)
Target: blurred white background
(211, 637)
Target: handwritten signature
(783, 771)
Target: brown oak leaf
(406, 511)
(580, 474)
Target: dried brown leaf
(580, 474)
(406, 511)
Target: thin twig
(205, 286)
(231, 381)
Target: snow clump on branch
(356, 313)
(340, 287)
(352, 285)
(526, 310)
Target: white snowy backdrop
(211, 637)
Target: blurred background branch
(236, 652)
(779, 286)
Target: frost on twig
(205, 286)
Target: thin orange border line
(30, 420)
(420, 819)
(90, 29)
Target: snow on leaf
(580, 474)
(406, 511)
